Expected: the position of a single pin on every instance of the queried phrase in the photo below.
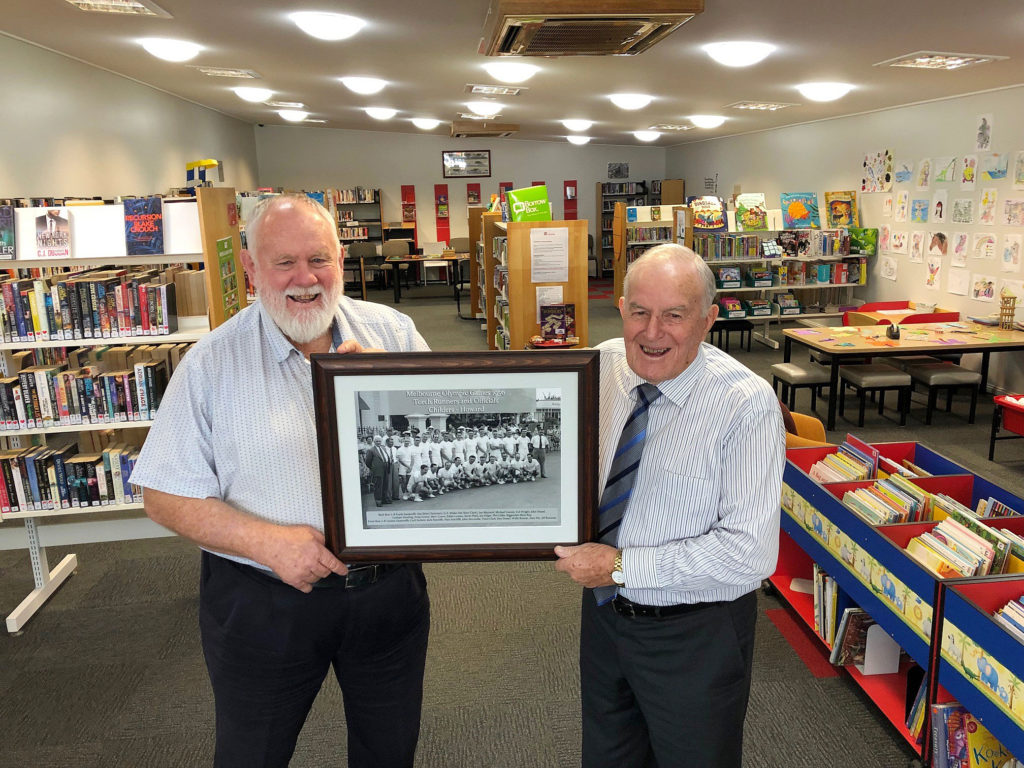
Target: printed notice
(549, 255)
(548, 294)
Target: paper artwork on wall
(983, 133)
(877, 172)
(1011, 253)
(919, 211)
(924, 174)
(968, 171)
(883, 238)
(933, 273)
(983, 287)
(987, 212)
(994, 166)
(888, 267)
(945, 169)
(901, 206)
(984, 247)
(899, 242)
(1018, 170)
(963, 210)
(902, 172)
(917, 246)
(887, 207)
(961, 245)
(1016, 287)
(938, 215)
(938, 244)
(1013, 211)
(958, 281)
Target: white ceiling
(427, 51)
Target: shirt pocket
(697, 498)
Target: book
(863, 240)
(552, 321)
(144, 226)
(8, 245)
(983, 749)
(708, 214)
(53, 234)
(751, 212)
(851, 637)
(800, 210)
(841, 209)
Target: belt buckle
(625, 607)
(367, 574)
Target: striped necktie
(619, 487)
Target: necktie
(619, 487)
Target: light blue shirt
(702, 523)
(237, 421)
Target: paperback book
(708, 214)
(53, 234)
(751, 212)
(144, 226)
(800, 210)
(8, 246)
(841, 209)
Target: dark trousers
(671, 692)
(268, 648)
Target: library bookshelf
(476, 260)
(359, 215)
(933, 619)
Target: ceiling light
(364, 85)
(707, 121)
(425, 123)
(471, 116)
(577, 139)
(293, 115)
(578, 125)
(242, 74)
(762, 106)
(738, 53)
(485, 108)
(134, 7)
(314, 120)
(824, 91)
(381, 113)
(494, 90)
(511, 71)
(254, 95)
(671, 127)
(630, 100)
(936, 60)
(170, 50)
(327, 26)
(646, 135)
(286, 104)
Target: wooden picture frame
(361, 397)
(466, 164)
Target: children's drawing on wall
(968, 171)
(883, 238)
(963, 210)
(994, 166)
(983, 287)
(1013, 211)
(987, 214)
(938, 215)
(900, 242)
(984, 247)
(887, 207)
(924, 174)
(932, 274)
(877, 172)
(917, 246)
(1018, 170)
(902, 171)
(1011, 253)
(983, 133)
(961, 244)
(945, 169)
(938, 244)
(902, 206)
(888, 267)
(919, 211)
(958, 281)
(1016, 287)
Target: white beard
(302, 324)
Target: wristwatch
(618, 576)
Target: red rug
(808, 647)
(600, 288)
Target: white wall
(72, 129)
(308, 158)
(829, 155)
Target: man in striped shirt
(667, 630)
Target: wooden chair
(371, 261)
(395, 248)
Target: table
(454, 272)
(917, 339)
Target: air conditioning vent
(581, 27)
(473, 129)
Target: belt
(358, 576)
(629, 609)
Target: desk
(454, 272)
(915, 339)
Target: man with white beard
(231, 463)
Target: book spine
(122, 318)
(11, 326)
(63, 413)
(7, 400)
(168, 297)
(39, 317)
(18, 481)
(151, 297)
(111, 299)
(75, 305)
(129, 496)
(43, 394)
(116, 480)
(62, 479)
(127, 385)
(62, 301)
(85, 305)
(144, 309)
(102, 473)
(100, 315)
(26, 378)
(5, 499)
(19, 406)
(53, 315)
(74, 402)
(28, 314)
(92, 483)
(32, 497)
(141, 394)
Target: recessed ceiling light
(494, 90)
(286, 104)
(762, 106)
(364, 85)
(738, 53)
(134, 7)
(471, 116)
(381, 113)
(936, 60)
(578, 125)
(646, 135)
(254, 95)
(170, 50)
(314, 120)
(630, 100)
(671, 127)
(241, 74)
(327, 26)
(824, 91)
(293, 115)
(577, 139)
(511, 71)
(484, 108)
(425, 123)
(707, 121)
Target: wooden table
(454, 272)
(841, 343)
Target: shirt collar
(677, 389)
(280, 347)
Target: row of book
(960, 740)
(501, 280)
(951, 550)
(825, 597)
(1011, 616)
(889, 500)
(848, 272)
(799, 210)
(728, 247)
(60, 477)
(647, 234)
(356, 195)
(619, 188)
(354, 233)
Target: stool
(727, 326)
(875, 377)
(947, 376)
(902, 363)
(792, 376)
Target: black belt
(625, 607)
(358, 576)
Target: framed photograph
(618, 170)
(457, 455)
(467, 164)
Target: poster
(960, 247)
(888, 267)
(902, 207)
(958, 281)
(1013, 212)
(945, 169)
(933, 273)
(938, 215)
(984, 247)
(994, 166)
(983, 287)
(983, 133)
(919, 211)
(1011, 253)
(987, 213)
(924, 175)
(899, 241)
(1018, 170)
(963, 210)
(549, 255)
(917, 246)
(938, 244)
(877, 172)
(968, 171)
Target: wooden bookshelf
(476, 226)
(626, 249)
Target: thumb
(564, 551)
